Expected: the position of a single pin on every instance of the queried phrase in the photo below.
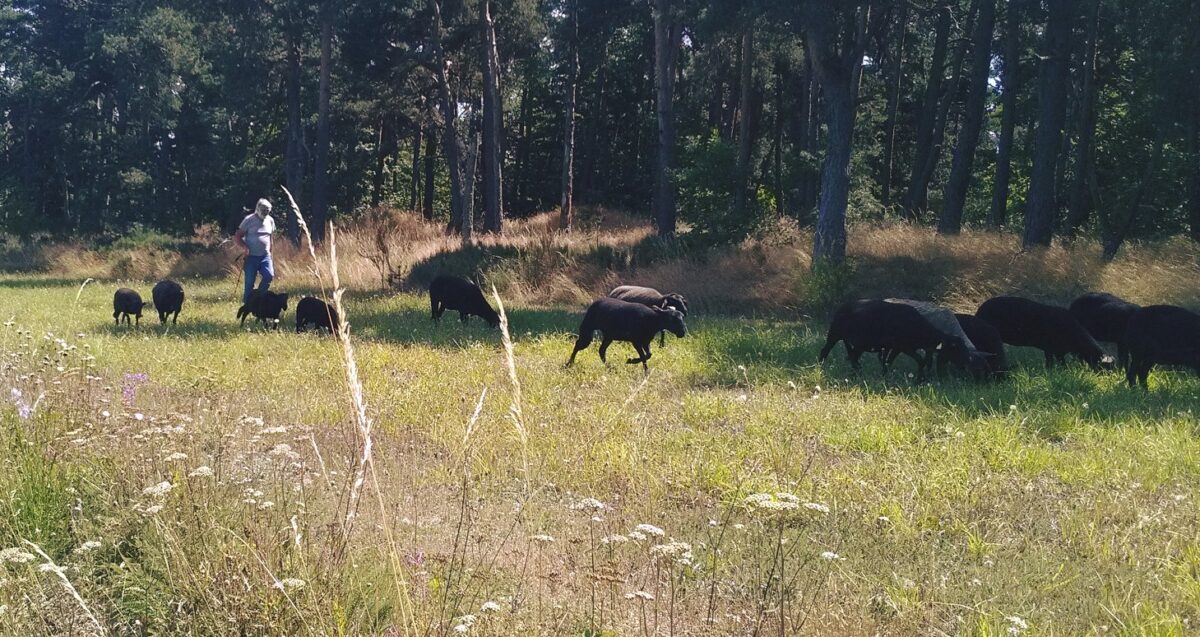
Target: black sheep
(168, 300)
(986, 340)
(1052, 329)
(454, 293)
(127, 303)
(315, 311)
(651, 298)
(1161, 335)
(895, 327)
(634, 323)
(1105, 317)
(265, 305)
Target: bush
(706, 183)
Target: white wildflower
(15, 555)
(89, 545)
(739, 526)
(274, 430)
(254, 421)
(650, 529)
(490, 607)
(1016, 625)
(614, 539)
(159, 490)
(542, 538)
(673, 551)
(290, 583)
(642, 595)
(152, 510)
(177, 457)
(588, 504)
(139, 416)
(106, 413)
(772, 502)
(636, 535)
(202, 471)
(831, 556)
(265, 504)
(52, 568)
(816, 506)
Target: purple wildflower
(130, 384)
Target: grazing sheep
(956, 344)
(634, 323)
(987, 340)
(454, 293)
(127, 303)
(265, 306)
(1105, 317)
(1052, 329)
(900, 326)
(651, 298)
(1161, 335)
(315, 311)
(168, 300)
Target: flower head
(159, 490)
(202, 471)
(650, 529)
(15, 555)
(542, 538)
(642, 595)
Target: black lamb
(127, 303)
(168, 300)
(651, 298)
(1161, 335)
(899, 326)
(454, 293)
(618, 320)
(1105, 317)
(317, 312)
(266, 306)
(1052, 329)
(986, 340)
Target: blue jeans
(256, 265)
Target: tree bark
(913, 199)
(1194, 155)
(1079, 207)
(451, 142)
(320, 203)
(430, 172)
(837, 71)
(493, 117)
(746, 125)
(472, 170)
(1009, 82)
(955, 194)
(295, 160)
(414, 192)
(1117, 236)
(895, 78)
(386, 146)
(1041, 209)
(667, 36)
(566, 212)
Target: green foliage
(706, 181)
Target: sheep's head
(1104, 362)
(672, 321)
(676, 302)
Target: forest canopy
(1052, 118)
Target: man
(254, 236)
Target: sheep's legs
(604, 348)
(436, 309)
(581, 343)
(643, 351)
(853, 354)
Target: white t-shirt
(258, 233)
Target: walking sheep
(618, 320)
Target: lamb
(899, 326)
(454, 293)
(651, 298)
(634, 323)
(1105, 317)
(168, 300)
(265, 305)
(1053, 330)
(986, 340)
(126, 303)
(319, 313)
(1161, 335)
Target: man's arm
(239, 238)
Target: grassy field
(207, 478)
(1054, 503)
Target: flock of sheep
(926, 332)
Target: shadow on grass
(410, 325)
(36, 282)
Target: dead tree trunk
(493, 118)
(746, 125)
(1009, 80)
(451, 142)
(566, 205)
(414, 192)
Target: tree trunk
(430, 173)
(295, 159)
(415, 176)
(921, 189)
(667, 35)
(913, 199)
(386, 146)
(566, 212)
(955, 194)
(451, 142)
(777, 143)
(1194, 155)
(320, 203)
(895, 79)
(1117, 236)
(1009, 81)
(472, 170)
(1041, 209)
(493, 117)
(746, 127)
(837, 72)
(1079, 207)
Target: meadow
(207, 478)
